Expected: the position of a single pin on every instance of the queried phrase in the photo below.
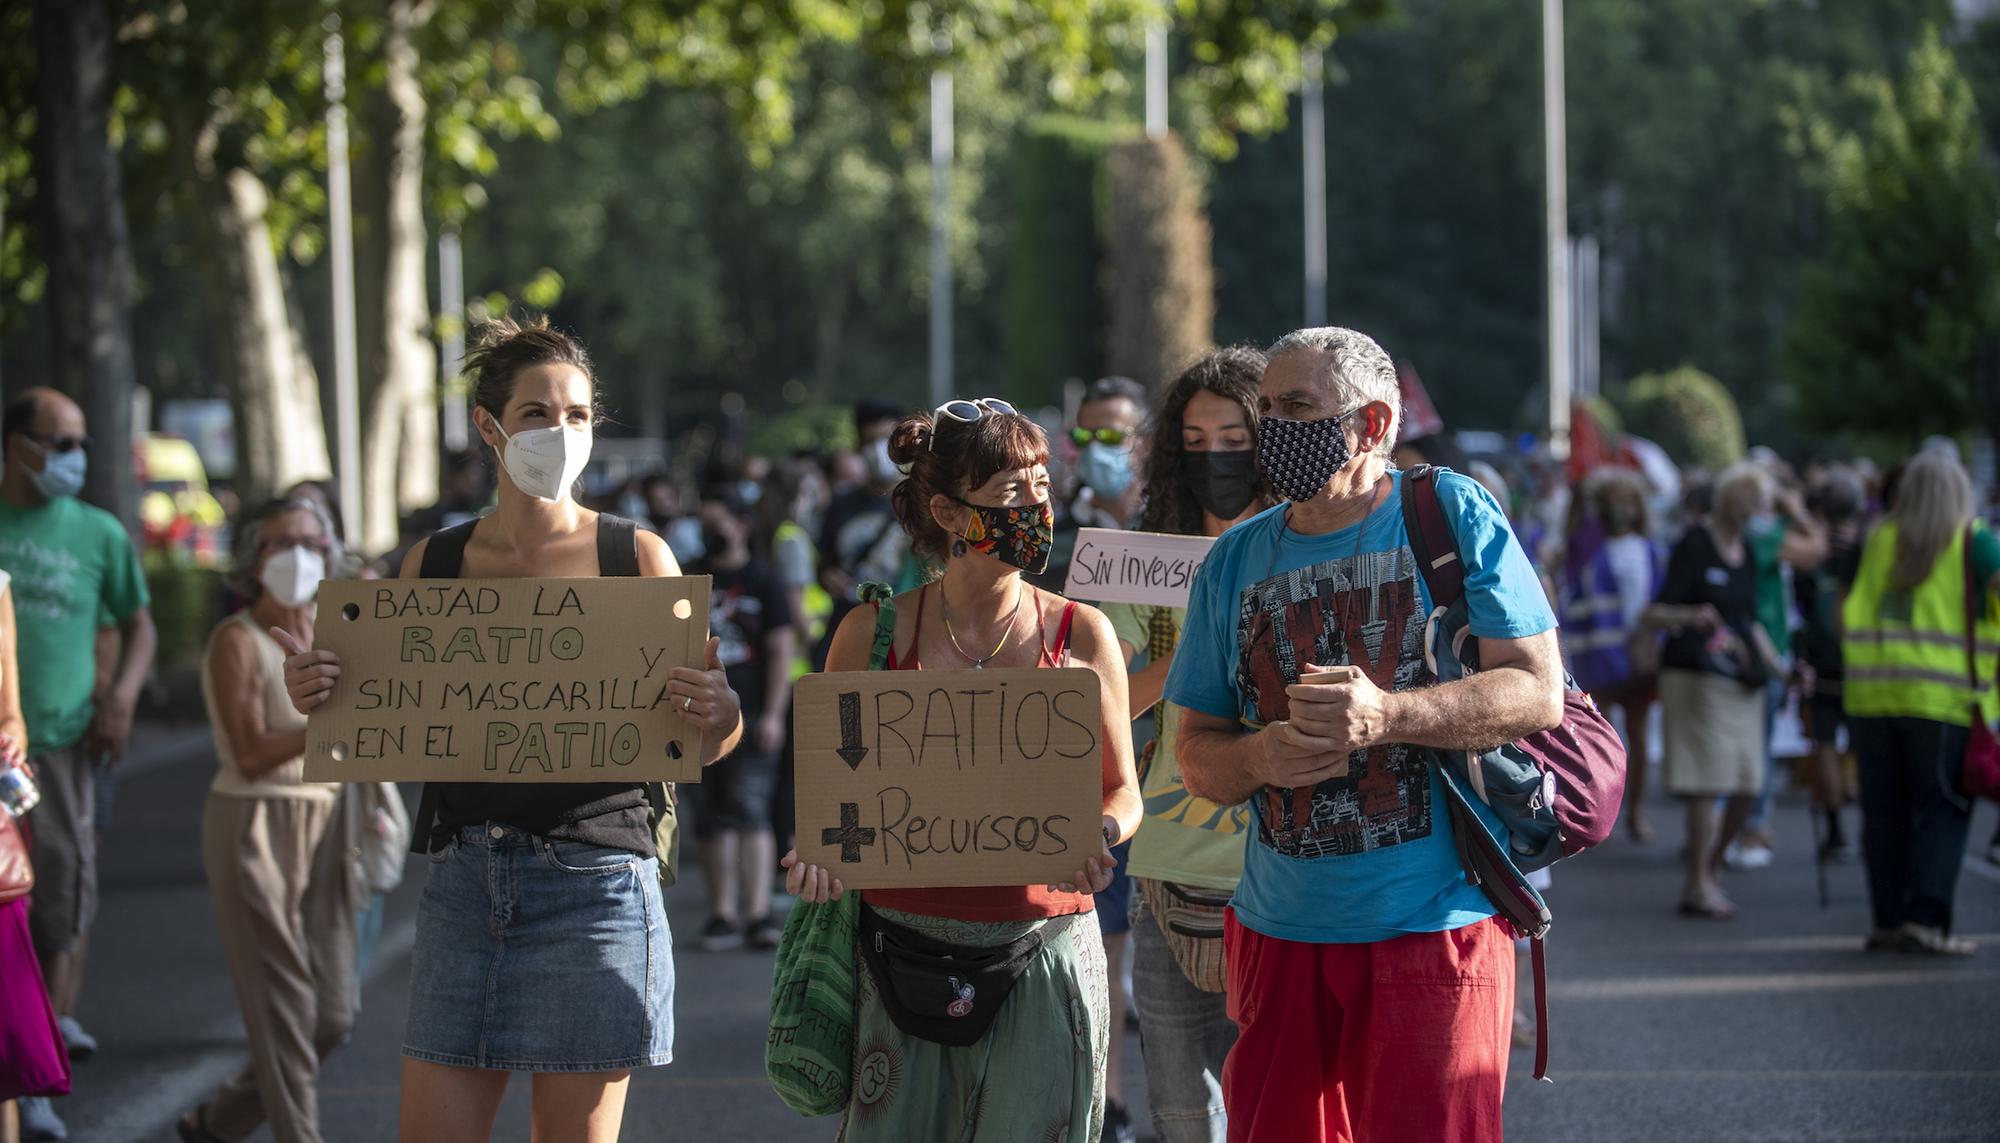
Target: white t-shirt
(1631, 559)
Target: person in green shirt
(1793, 538)
(1201, 478)
(71, 564)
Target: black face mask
(1223, 483)
(713, 542)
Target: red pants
(1400, 1040)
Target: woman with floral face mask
(285, 893)
(570, 867)
(976, 498)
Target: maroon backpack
(1556, 791)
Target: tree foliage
(1055, 312)
(1909, 285)
(1686, 412)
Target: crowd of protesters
(1275, 858)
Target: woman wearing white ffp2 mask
(291, 577)
(569, 866)
(544, 462)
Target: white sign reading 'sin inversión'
(1134, 567)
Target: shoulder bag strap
(884, 600)
(1973, 595)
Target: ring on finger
(687, 704)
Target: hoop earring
(958, 548)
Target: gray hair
(246, 546)
(1353, 367)
(1742, 474)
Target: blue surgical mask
(62, 475)
(1106, 469)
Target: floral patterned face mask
(1022, 535)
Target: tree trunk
(399, 402)
(273, 391)
(85, 243)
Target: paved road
(1772, 1028)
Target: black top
(610, 814)
(745, 605)
(1818, 594)
(1696, 574)
(851, 538)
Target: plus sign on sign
(920, 778)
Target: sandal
(193, 1127)
(1932, 941)
(1715, 908)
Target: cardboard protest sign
(1111, 566)
(508, 680)
(921, 778)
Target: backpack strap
(1431, 537)
(444, 554)
(617, 545)
(444, 558)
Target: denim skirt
(540, 956)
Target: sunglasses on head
(965, 412)
(1101, 436)
(60, 443)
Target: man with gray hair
(1372, 983)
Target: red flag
(1420, 417)
(1590, 447)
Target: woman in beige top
(285, 895)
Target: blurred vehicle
(181, 522)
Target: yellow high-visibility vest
(1904, 651)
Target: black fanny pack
(942, 992)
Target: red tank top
(986, 902)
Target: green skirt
(1037, 1076)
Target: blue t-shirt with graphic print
(1368, 856)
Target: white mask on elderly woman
(292, 577)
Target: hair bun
(911, 437)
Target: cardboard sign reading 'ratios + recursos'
(918, 778)
(508, 680)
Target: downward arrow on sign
(851, 751)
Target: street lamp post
(1556, 222)
(451, 300)
(340, 234)
(1312, 124)
(1156, 80)
(941, 150)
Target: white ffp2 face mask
(544, 463)
(293, 576)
